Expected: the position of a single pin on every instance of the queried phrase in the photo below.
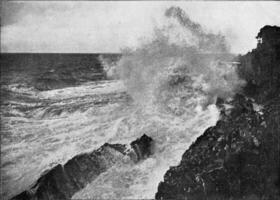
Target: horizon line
(60, 52)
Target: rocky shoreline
(236, 159)
(63, 181)
(239, 158)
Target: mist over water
(173, 80)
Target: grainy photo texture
(140, 100)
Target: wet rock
(236, 159)
(142, 147)
(63, 181)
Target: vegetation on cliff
(261, 67)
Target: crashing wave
(174, 81)
(165, 70)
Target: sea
(56, 106)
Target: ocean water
(45, 128)
(40, 129)
(165, 89)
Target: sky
(98, 27)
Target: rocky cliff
(239, 158)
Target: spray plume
(182, 62)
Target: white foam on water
(137, 181)
(174, 80)
(35, 143)
(174, 85)
(93, 88)
(38, 144)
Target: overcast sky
(81, 27)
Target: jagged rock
(62, 181)
(236, 159)
(142, 147)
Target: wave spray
(174, 80)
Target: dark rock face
(63, 181)
(238, 158)
(142, 147)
